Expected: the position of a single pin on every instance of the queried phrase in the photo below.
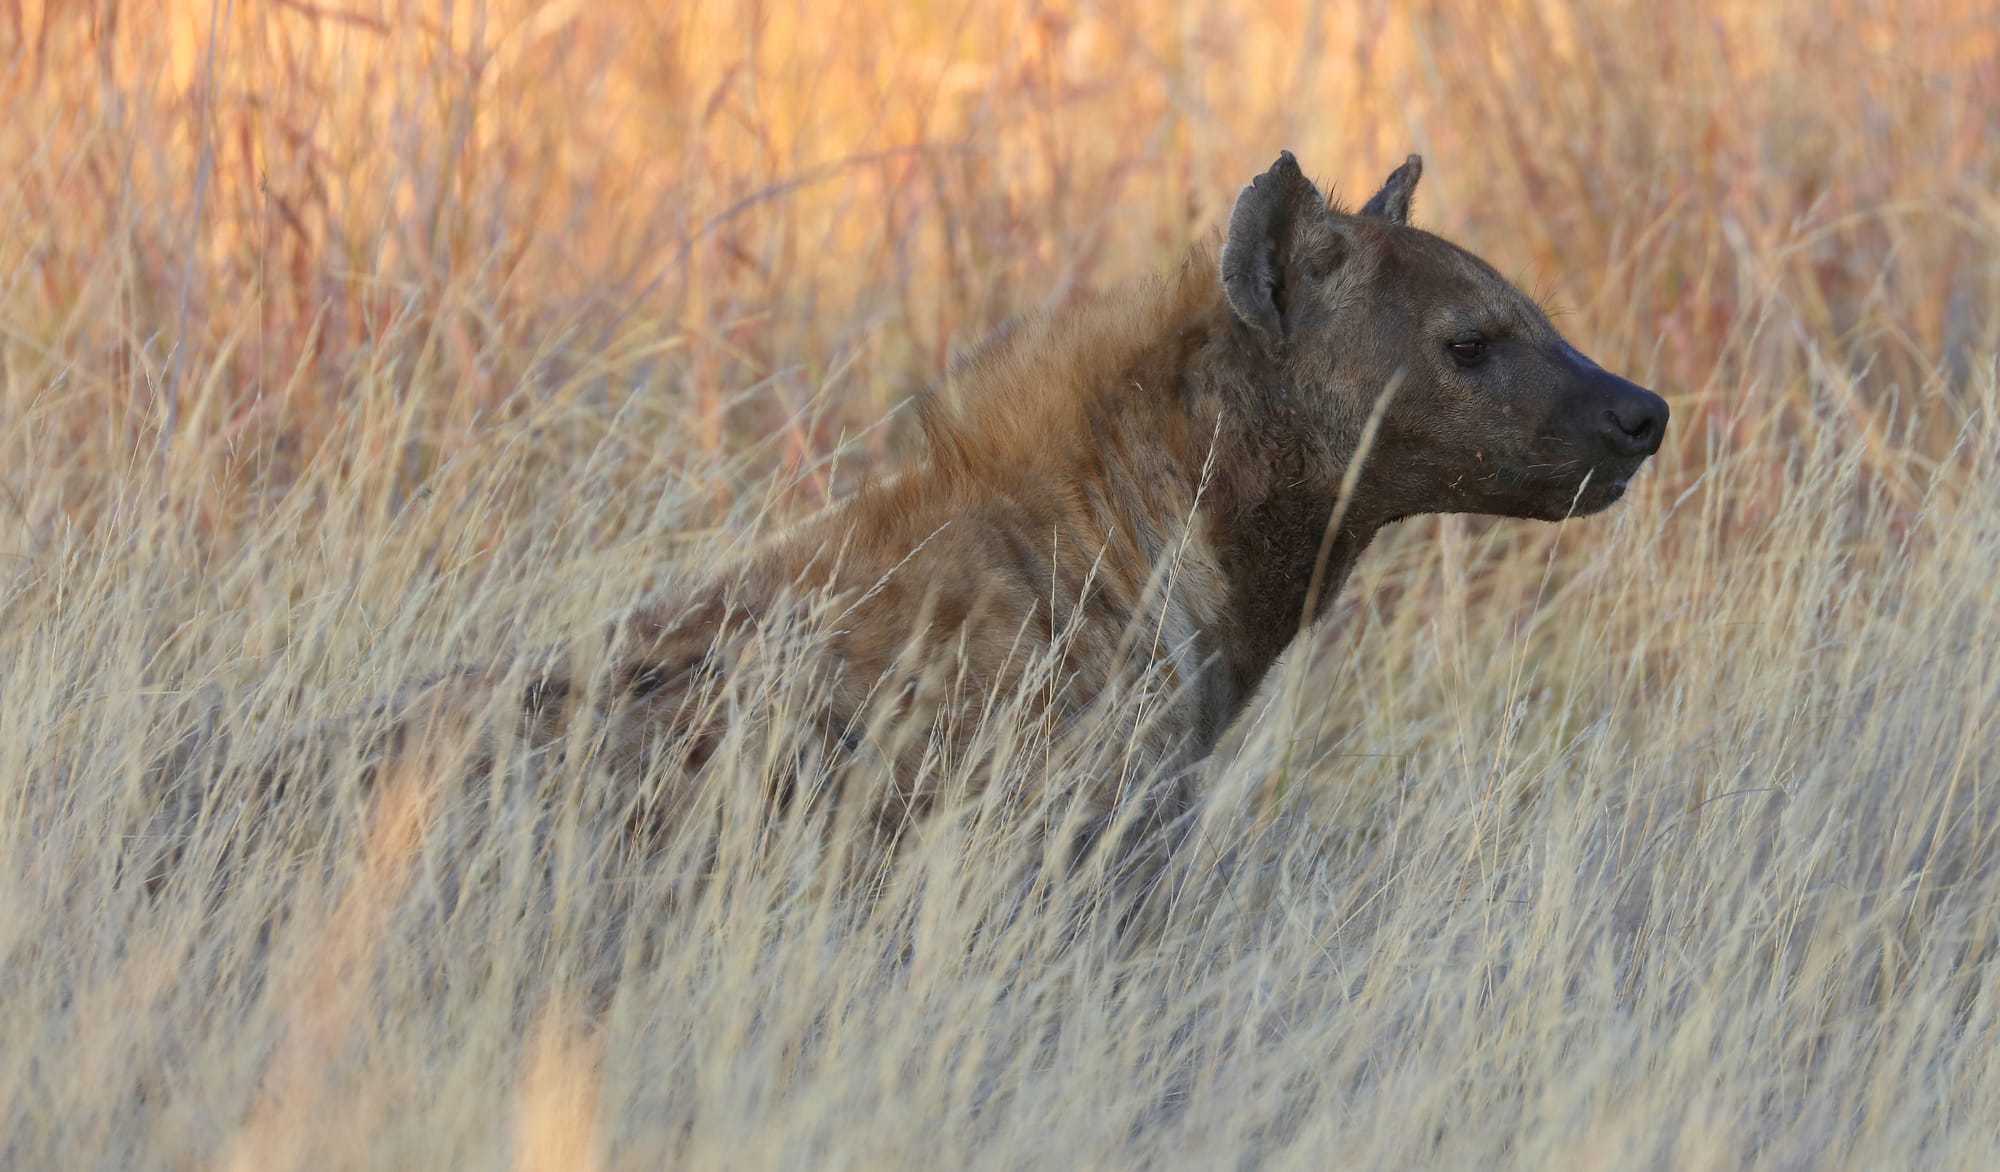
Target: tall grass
(340, 343)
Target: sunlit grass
(340, 344)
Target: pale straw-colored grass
(344, 342)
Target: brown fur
(1148, 488)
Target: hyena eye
(1469, 350)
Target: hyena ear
(1256, 259)
(1392, 203)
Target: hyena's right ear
(1392, 203)
(1257, 260)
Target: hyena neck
(1270, 518)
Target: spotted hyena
(1156, 491)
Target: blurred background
(228, 220)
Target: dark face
(1492, 411)
(1495, 412)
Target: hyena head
(1489, 409)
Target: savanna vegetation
(344, 342)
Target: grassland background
(343, 341)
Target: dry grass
(341, 342)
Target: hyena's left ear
(1268, 229)
(1392, 203)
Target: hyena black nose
(1635, 422)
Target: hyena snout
(1635, 421)
(1621, 423)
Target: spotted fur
(1152, 492)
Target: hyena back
(1159, 488)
